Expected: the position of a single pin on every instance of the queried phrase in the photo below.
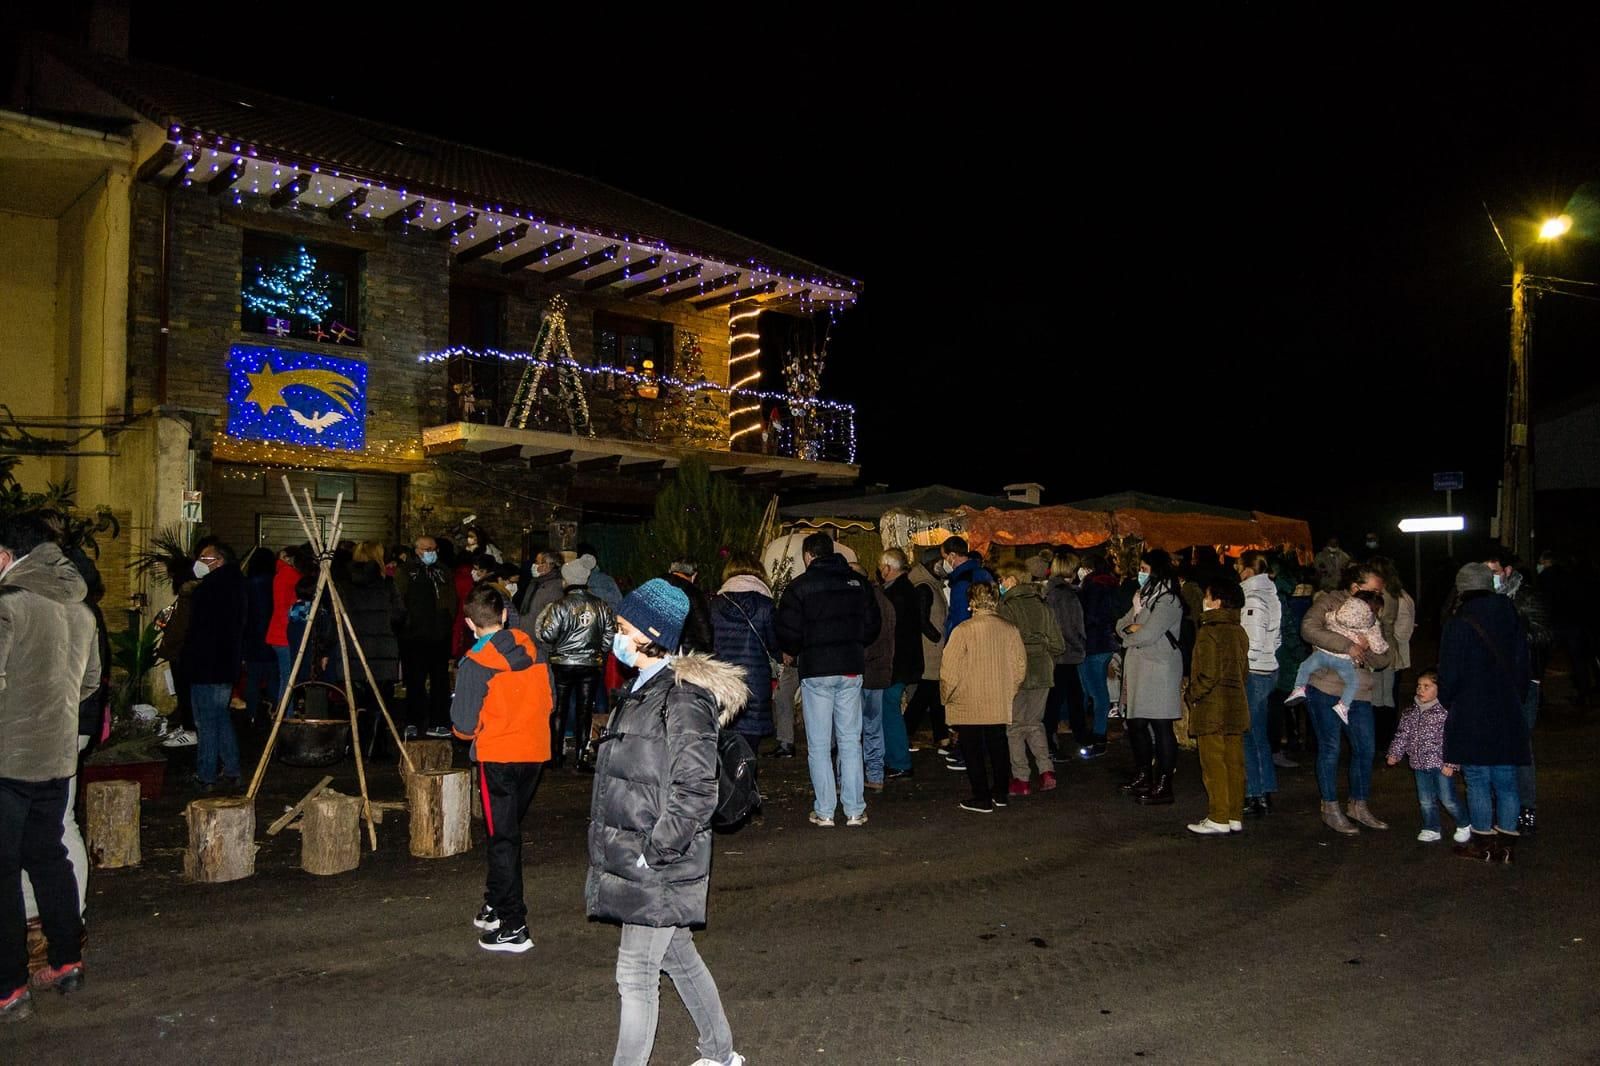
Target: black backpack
(738, 793)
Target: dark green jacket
(1024, 608)
(1217, 699)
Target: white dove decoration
(318, 421)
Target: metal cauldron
(316, 741)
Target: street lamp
(1516, 482)
(1453, 523)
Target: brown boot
(1508, 847)
(1360, 812)
(1481, 848)
(1334, 819)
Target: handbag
(772, 664)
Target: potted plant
(133, 750)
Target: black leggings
(978, 741)
(1153, 742)
(1066, 696)
(573, 682)
(925, 698)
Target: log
(436, 754)
(294, 812)
(330, 834)
(441, 812)
(222, 843)
(113, 817)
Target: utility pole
(1516, 488)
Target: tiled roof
(425, 164)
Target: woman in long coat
(1153, 677)
(983, 666)
(742, 635)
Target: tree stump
(222, 845)
(441, 812)
(428, 755)
(113, 817)
(330, 834)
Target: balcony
(609, 419)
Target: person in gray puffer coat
(655, 789)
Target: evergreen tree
(698, 517)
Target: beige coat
(984, 666)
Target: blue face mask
(429, 558)
(623, 648)
(1144, 578)
(1499, 583)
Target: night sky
(1238, 260)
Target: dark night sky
(1245, 262)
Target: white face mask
(1083, 572)
(511, 588)
(201, 569)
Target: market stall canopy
(1157, 521)
(931, 499)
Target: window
(300, 289)
(477, 321)
(623, 342)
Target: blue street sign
(1449, 481)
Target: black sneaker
(502, 939)
(487, 919)
(1000, 802)
(1091, 751)
(956, 765)
(895, 775)
(977, 808)
(783, 751)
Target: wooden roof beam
(493, 244)
(578, 266)
(500, 455)
(290, 191)
(650, 468)
(345, 207)
(702, 289)
(665, 281)
(183, 171)
(603, 464)
(536, 462)
(397, 220)
(539, 254)
(455, 227)
(735, 297)
(225, 178)
(159, 161)
(623, 273)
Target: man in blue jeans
(826, 618)
(1326, 690)
(212, 653)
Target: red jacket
(283, 583)
(502, 700)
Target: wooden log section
(113, 817)
(330, 834)
(427, 755)
(222, 845)
(441, 812)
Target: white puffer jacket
(1262, 619)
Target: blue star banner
(276, 394)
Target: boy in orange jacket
(502, 705)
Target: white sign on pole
(192, 505)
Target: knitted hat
(1474, 577)
(575, 572)
(657, 609)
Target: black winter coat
(258, 616)
(827, 617)
(697, 634)
(213, 648)
(1100, 614)
(1483, 678)
(429, 596)
(746, 645)
(655, 788)
(911, 605)
(374, 606)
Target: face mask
(1372, 544)
(201, 569)
(511, 588)
(623, 648)
(1003, 591)
(1499, 583)
(429, 558)
(1144, 578)
(1541, 568)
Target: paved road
(1074, 927)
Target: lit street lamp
(1516, 483)
(1453, 523)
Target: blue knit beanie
(657, 609)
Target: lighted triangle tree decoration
(290, 289)
(552, 355)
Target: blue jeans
(1527, 789)
(1260, 775)
(833, 709)
(1492, 798)
(214, 725)
(896, 744)
(1318, 660)
(261, 682)
(285, 656)
(1328, 729)
(1434, 790)
(1092, 673)
(872, 733)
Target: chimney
(108, 28)
(1028, 492)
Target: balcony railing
(621, 403)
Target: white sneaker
(439, 732)
(1207, 828)
(1428, 836)
(1235, 827)
(858, 820)
(181, 738)
(1462, 834)
(735, 1059)
(819, 821)
(1343, 711)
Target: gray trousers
(644, 953)
(783, 704)
(1026, 733)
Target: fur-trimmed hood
(724, 682)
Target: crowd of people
(1018, 668)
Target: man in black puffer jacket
(213, 655)
(826, 619)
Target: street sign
(1449, 481)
